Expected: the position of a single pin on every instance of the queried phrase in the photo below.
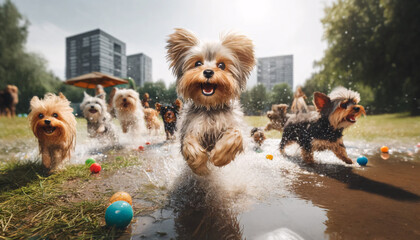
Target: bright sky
(277, 27)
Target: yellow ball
(269, 157)
(121, 196)
(384, 149)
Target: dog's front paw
(195, 156)
(226, 148)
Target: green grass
(33, 204)
(401, 127)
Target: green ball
(89, 161)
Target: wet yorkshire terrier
(278, 117)
(210, 77)
(98, 118)
(323, 130)
(152, 120)
(169, 115)
(8, 100)
(129, 110)
(53, 123)
(258, 136)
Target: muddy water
(256, 198)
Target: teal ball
(119, 214)
(362, 161)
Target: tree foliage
(373, 47)
(158, 92)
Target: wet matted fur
(54, 125)
(210, 77)
(99, 123)
(170, 115)
(323, 130)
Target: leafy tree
(281, 93)
(372, 48)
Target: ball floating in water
(362, 161)
(89, 161)
(95, 168)
(121, 196)
(141, 148)
(147, 143)
(119, 214)
(269, 156)
(384, 149)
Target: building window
(117, 48)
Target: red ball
(147, 143)
(141, 148)
(95, 168)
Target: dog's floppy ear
(61, 95)
(178, 104)
(243, 48)
(321, 100)
(178, 45)
(158, 107)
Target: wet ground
(257, 198)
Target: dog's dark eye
(41, 116)
(221, 66)
(344, 105)
(55, 115)
(198, 63)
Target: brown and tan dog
(8, 101)
(152, 120)
(54, 125)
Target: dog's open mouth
(92, 110)
(125, 105)
(208, 89)
(351, 118)
(48, 129)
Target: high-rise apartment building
(139, 68)
(95, 51)
(275, 70)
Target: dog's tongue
(208, 88)
(352, 119)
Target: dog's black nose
(356, 109)
(92, 107)
(47, 122)
(208, 73)
(124, 100)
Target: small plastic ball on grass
(89, 161)
(95, 168)
(362, 161)
(121, 196)
(141, 148)
(269, 156)
(119, 214)
(384, 149)
(147, 143)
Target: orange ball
(384, 149)
(269, 157)
(121, 196)
(147, 143)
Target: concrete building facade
(275, 70)
(139, 68)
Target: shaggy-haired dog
(299, 104)
(169, 115)
(323, 130)
(8, 100)
(129, 111)
(278, 117)
(210, 77)
(98, 119)
(258, 136)
(111, 108)
(53, 123)
(145, 101)
(152, 120)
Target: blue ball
(119, 214)
(362, 161)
